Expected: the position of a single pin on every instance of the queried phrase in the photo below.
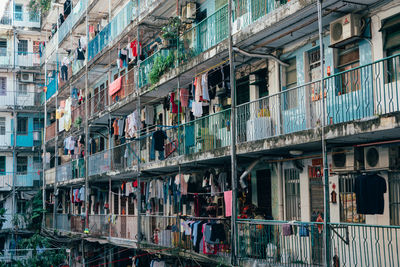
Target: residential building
(21, 118)
(154, 134)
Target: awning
(115, 86)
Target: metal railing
(77, 12)
(71, 170)
(206, 34)
(20, 99)
(99, 162)
(99, 225)
(50, 131)
(246, 13)
(301, 243)
(50, 176)
(18, 59)
(160, 230)
(27, 19)
(123, 226)
(111, 31)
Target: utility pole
(233, 138)
(14, 176)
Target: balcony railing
(77, 12)
(18, 59)
(99, 162)
(23, 179)
(70, 170)
(50, 176)
(52, 87)
(20, 99)
(22, 19)
(50, 131)
(111, 31)
(301, 243)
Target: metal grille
(347, 198)
(292, 189)
(394, 198)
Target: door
(264, 192)
(317, 209)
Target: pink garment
(184, 97)
(115, 86)
(228, 203)
(198, 89)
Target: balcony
(21, 19)
(50, 131)
(70, 170)
(111, 31)
(72, 19)
(19, 59)
(301, 243)
(50, 176)
(52, 87)
(19, 100)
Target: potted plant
(171, 31)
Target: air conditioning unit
(381, 157)
(26, 77)
(343, 159)
(345, 29)
(191, 10)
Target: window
(347, 198)
(21, 206)
(18, 12)
(22, 165)
(3, 47)
(348, 58)
(292, 194)
(391, 33)
(394, 197)
(37, 163)
(22, 127)
(38, 124)
(23, 47)
(22, 89)
(3, 86)
(2, 165)
(2, 126)
(314, 73)
(290, 81)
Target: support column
(323, 142)
(86, 127)
(233, 139)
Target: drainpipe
(233, 140)
(323, 142)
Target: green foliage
(160, 66)
(43, 258)
(172, 29)
(78, 122)
(2, 217)
(34, 215)
(40, 5)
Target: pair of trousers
(64, 73)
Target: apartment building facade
(21, 118)
(149, 121)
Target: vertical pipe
(323, 142)
(233, 138)
(139, 186)
(86, 126)
(44, 141)
(14, 144)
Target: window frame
(22, 165)
(23, 92)
(346, 190)
(292, 194)
(290, 95)
(3, 86)
(18, 15)
(21, 47)
(3, 171)
(3, 127)
(348, 77)
(19, 132)
(3, 49)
